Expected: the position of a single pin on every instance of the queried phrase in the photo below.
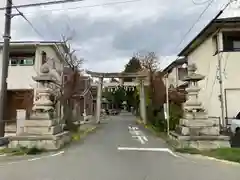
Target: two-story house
(216, 53)
(25, 61)
(175, 73)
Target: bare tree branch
(149, 61)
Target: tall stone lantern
(196, 129)
(43, 105)
(43, 120)
(43, 129)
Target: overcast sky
(107, 36)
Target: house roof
(214, 25)
(175, 63)
(31, 45)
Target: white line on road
(141, 139)
(33, 159)
(59, 153)
(148, 149)
(145, 138)
(137, 134)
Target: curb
(217, 160)
(195, 155)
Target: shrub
(156, 117)
(175, 113)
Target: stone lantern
(43, 106)
(43, 129)
(196, 129)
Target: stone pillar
(142, 101)
(99, 99)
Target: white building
(26, 59)
(218, 45)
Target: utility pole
(5, 62)
(167, 103)
(220, 80)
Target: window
(215, 45)
(231, 41)
(236, 45)
(44, 57)
(22, 58)
(182, 72)
(13, 62)
(21, 61)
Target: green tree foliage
(116, 97)
(132, 66)
(119, 96)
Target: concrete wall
(207, 65)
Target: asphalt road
(108, 154)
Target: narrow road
(119, 150)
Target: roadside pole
(167, 103)
(4, 65)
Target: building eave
(34, 43)
(212, 27)
(177, 62)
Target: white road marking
(137, 134)
(61, 152)
(145, 138)
(141, 139)
(135, 128)
(3, 155)
(148, 149)
(33, 159)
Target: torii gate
(140, 76)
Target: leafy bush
(156, 117)
(175, 113)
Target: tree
(70, 87)
(132, 66)
(116, 97)
(156, 89)
(150, 63)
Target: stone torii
(141, 78)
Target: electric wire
(86, 6)
(48, 3)
(200, 2)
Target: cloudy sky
(106, 35)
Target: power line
(193, 25)
(200, 2)
(48, 3)
(88, 6)
(29, 22)
(200, 16)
